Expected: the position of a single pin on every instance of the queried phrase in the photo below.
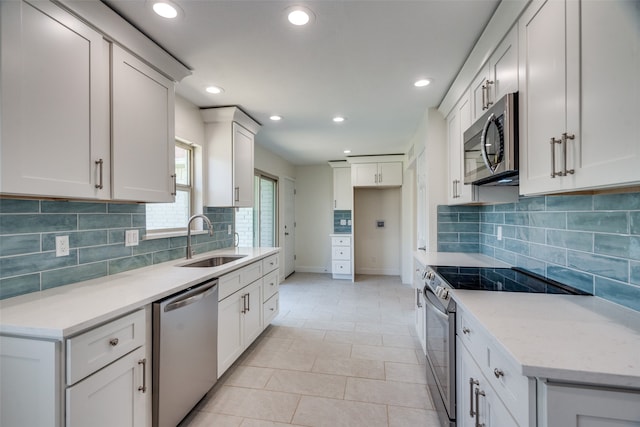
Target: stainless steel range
(440, 312)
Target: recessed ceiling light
(339, 119)
(275, 118)
(214, 89)
(422, 83)
(347, 151)
(298, 17)
(165, 9)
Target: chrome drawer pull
(478, 394)
(100, 164)
(466, 330)
(498, 373)
(472, 382)
(114, 342)
(143, 387)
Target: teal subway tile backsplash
(338, 217)
(588, 241)
(96, 238)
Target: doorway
(257, 226)
(288, 188)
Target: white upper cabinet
(383, 174)
(498, 77)
(457, 122)
(143, 146)
(580, 98)
(55, 100)
(229, 136)
(81, 117)
(342, 189)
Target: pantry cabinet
(577, 133)
(142, 112)
(387, 174)
(80, 113)
(54, 80)
(229, 136)
(457, 122)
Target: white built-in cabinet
(54, 80)
(243, 296)
(580, 97)
(342, 256)
(573, 405)
(102, 372)
(229, 136)
(498, 77)
(382, 174)
(342, 189)
(143, 122)
(420, 319)
(79, 112)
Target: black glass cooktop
(502, 279)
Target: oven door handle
(429, 298)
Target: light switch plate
(343, 222)
(131, 238)
(499, 233)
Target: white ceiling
(358, 58)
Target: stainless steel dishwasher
(185, 349)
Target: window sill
(182, 233)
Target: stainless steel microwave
(491, 145)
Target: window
(256, 226)
(168, 217)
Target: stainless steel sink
(215, 261)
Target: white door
(288, 188)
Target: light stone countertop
(60, 312)
(573, 338)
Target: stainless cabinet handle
(478, 394)
(143, 387)
(237, 194)
(375, 178)
(489, 102)
(175, 184)
(472, 382)
(114, 342)
(553, 143)
(380, 179)
(484, 97)
(498, 373)
(100, 164)
(335, 204)
(566, 136)
(248, 302)
(418, 298)
(465, 330)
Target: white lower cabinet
(570, 405)
(248, 303)
(341, 257)
(113, 396)
(478, 402)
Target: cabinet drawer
(341, 267)
(236, 280)
(270, 263)
(94, 349)
(474, 338)
(270, 285)
(341, 241)
(341, 253)
(270, 309)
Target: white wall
(377, 250)
(314, 218)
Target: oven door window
(492, 142)
(437, 326)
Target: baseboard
(379, 271)
(303, 269)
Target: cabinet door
(143, 145)
(459, 122)
(242, 167)
(542, 94)
(29, 390)
(230, 337)
(607, 149)
(504, 66)
(569, 406)
(342, 190)
(252, 320)
(390, 174)
(112, 396)
(454, 153)
(364, 174)
(55, 97)
(480, 94)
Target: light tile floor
(338, 354)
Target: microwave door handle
(483, 138)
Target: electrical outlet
(499, 233)
(229, 229)
(62, 246)
(131, 238)
(343, 222)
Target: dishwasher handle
(190, 298)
